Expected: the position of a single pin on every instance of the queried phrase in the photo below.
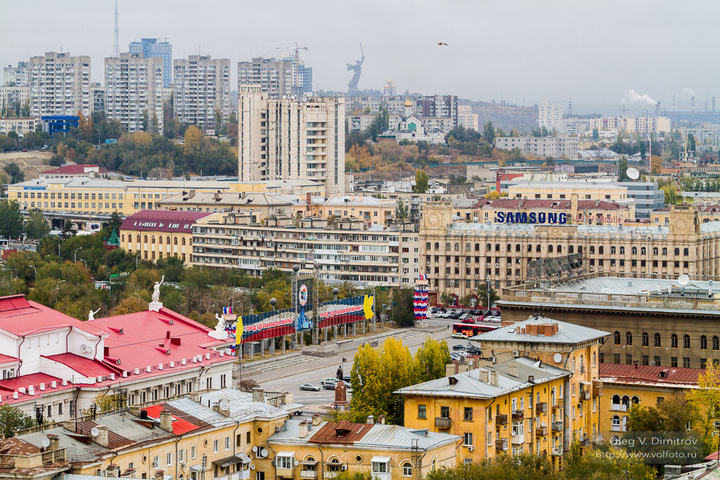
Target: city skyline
(640, 52)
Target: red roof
(531, 203)
(180, 425)
(7, 359)
(82, 365)
(23, 381)
(649, 374)
(20, 316)
(71, 170)
(162, 221)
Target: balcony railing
(557, 451)
(518, 415)
(557, 426)
(518, 439)
(501, 419)
(541, 407)
(501, 445)
(618, 407)
(541, 431)
(585, 395)
(308, 474)
(443, 422)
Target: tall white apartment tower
(550, 116)
(201, 86)
(133, 91)
(286, 138)
(59, 85)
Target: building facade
(13, 98)
(275, 77)
(59, 84)
(133, 91)
(466, 118)
(554, 147)
(202, 87)
(156, 47)
(282, 139)
(560, 190)
(21, 126)
(550, 116)
(16, 76)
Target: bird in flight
(442, 44)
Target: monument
(357, 69)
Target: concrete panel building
(59, 84)
(202, 87)
(156, 47)
(556, 147)
(16, 76)
(550, 116)
(466, 118)
(133, 89)
(287, 138)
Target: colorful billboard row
(277, 323)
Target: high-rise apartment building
(550, 116)
(202, 86)
(466, 118)
(155, 47)
(133, 91)
(438, 106)
(16, 76)
(59, 84)
(285, 138)
(276, 77)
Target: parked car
(473, 350)
(310, 387)
(463, 316)
(469, 320)
(459, 347)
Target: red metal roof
(649, 374)
(20, 316)
(162, 221)
(7, 359)
(531, 203)
(24, 381)
(70, 170)
(180, 425)
(82, 365)
(340, 432)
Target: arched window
(643, 251)
(559, 249)
(467, 247)
(677, 251)
(509, 248)
(477, 247)
(594, 360)
(550, 249)
(615, 422)
(573, 364)
(613, 250)
(160, 239)
(628, 338)
(664, 251)
(488, 247)
(635, 401)
(580, 250)
(633, 251)
(457, 247)
(571, 249)
(167, 240)
(674, 341)
(617, 338)
(716, 343)
(447, 247)
(655, 250)
(622, 250)
(529, 248)
(686, 252)
(145, 239)
(645, 339)
(497, 247)
(703, 342)
(517, 247)
(437, 246)
(538, 248)
(601, 250)
(427, 246)
(582, 364)
(183, 241)
(407, 469)
(686, 341)
(592, 249)
(175, 240)
(658, 340)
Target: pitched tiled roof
(340, 432)
(162, 221)
(612, 372)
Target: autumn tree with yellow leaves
(706, 401)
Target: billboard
(347, 310)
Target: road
(288, 372)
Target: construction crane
(297, 89)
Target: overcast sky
(590, 51)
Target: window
(380, 466)
(407, 469)
(216, 446)
(445, 412)
(422, 411)
(673, 362)
(716, 343)
(686, 362)
(467, 439)
(489, 438)
(658, 342)
(468, 414)
(674, 341)
(645, 340)
(612, 250)
(686, 341)
(168, 459)
(617, 338)
(285, 462)
(227, 443)
(193, 453)
(628, 338)
(703, 342)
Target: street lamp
(75, 254)
(487, 288)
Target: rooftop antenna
(116, 45)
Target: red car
(469, 320)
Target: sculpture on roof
(91, 314)
(156, 290)
(357, 69)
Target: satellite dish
(94, 432)
(679, 201)
(683, 280)
(263, 453)
(224, 404)
(297, 462)
(255, 449)
(632, 173)
(557, 358)
(689, 200)
(45, 442)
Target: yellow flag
(238, 331)
(368, 306)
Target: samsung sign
(532, 217)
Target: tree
(13, 419)
(36, 226)
(431, 359)
(489, 132)
(421, 181)
(16, 175)
(706, 401)
(691, 143)
(403, 312)
(605, 462)
(247, 385)
(129, 305)
(401, 211)
(494, 195)
(7, 143)
(483, 295)
(502, 467)
(379, 124)
(656, 165)
(57, 160)
(622, 169)
(11, 223)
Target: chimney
(257, 395)
(316, 419)
(102, 436)
(531, 378)
(513, 369)
(54, 442)
(494, 378)
(371, 420)
(573, 206)
(484, 376)
(382, 419)
(166, 421)
(303, 429)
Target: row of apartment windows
(70, 196)
(152, 239)
(657, 360)
(558, 249)
(73, 205)
(657, 340)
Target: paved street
(288, 372)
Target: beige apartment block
(133, 89)
(59, 85)
(201, 87)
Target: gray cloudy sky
(590, 51)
